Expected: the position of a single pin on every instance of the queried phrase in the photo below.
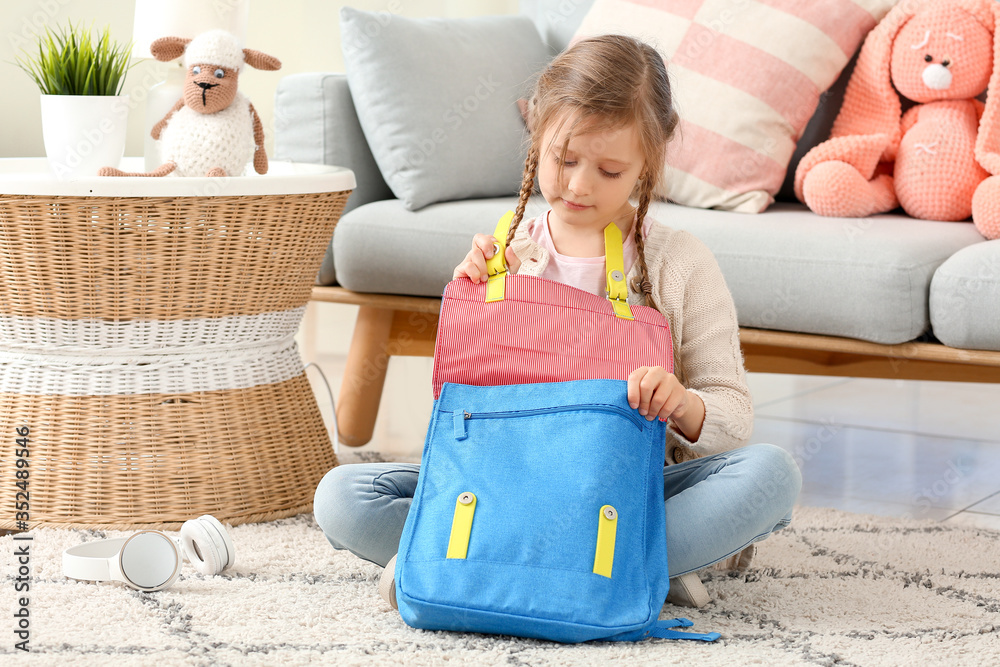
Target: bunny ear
(166, 49)
(871, 103)
(988, 140)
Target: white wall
(303, 34)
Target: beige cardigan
(691, 293)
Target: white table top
(31, 176)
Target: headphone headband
(151, 560)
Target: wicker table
(147, 345)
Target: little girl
(600, 118)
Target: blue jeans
(716, 505)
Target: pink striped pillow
(747, 76)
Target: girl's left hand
(658, 393)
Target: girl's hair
(606, 82)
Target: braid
(527, 187)
(601, 83)
(644, 285)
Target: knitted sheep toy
(941, 159)
(213, 130)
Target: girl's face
(599, 174)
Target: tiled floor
(898, 448)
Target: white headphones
(151, 560)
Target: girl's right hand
(473, 266)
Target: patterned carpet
(833, 589)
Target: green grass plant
(71, 62)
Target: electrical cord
(333, 405)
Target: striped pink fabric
(739, 65)
(747, 78)
(757, 171)
(542, 331)
(853, 23)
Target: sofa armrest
(315, 122)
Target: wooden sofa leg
(364, 376)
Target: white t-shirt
(586, 273)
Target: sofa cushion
(789, 269)
(437, 100)
(965, 298)
(383, 247)
(746, 78)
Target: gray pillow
(437, 100)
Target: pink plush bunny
(940, 159)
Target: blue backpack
(539, 513)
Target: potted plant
(84, 114)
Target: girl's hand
(474, 265)
(659, 394)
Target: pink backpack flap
(539, 330)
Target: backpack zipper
(460, 417)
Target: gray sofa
(888, 279)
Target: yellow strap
(496, 266)
(614, 264)
(622, 309)
(461, 525)
(496, 287)
(607, 526)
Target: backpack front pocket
(526, 512)
(538, 504)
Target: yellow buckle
(496, 266)
(604, 554)
(614, 264)
(461, 525)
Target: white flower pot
(83, 133)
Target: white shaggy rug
(832, 589)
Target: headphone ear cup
(207, 545)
